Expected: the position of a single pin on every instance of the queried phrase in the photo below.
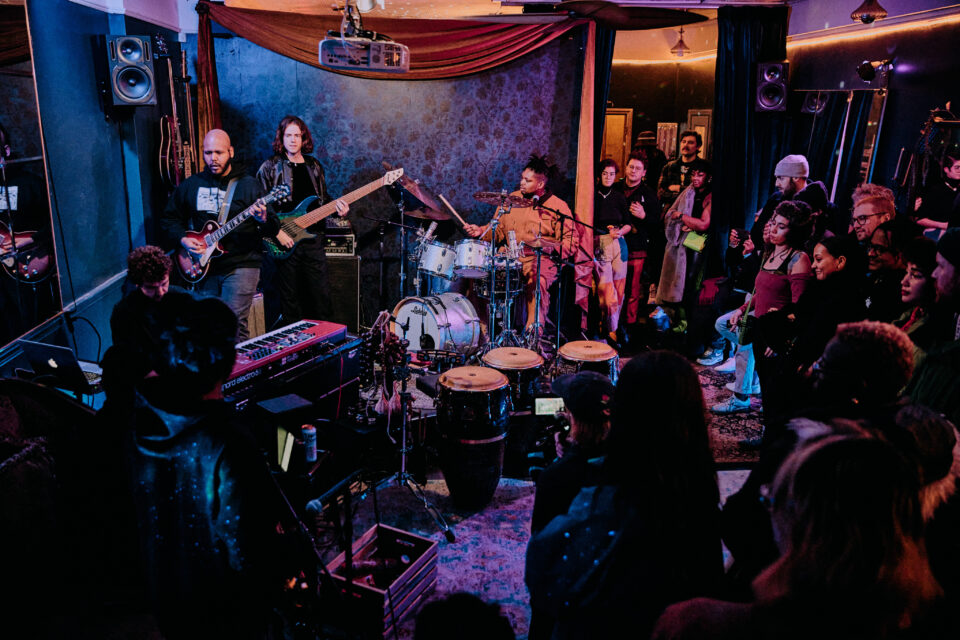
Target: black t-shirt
(302, 186)
(609, 208)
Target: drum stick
(453, 211)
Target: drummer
(528, 223)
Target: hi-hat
(496, 198)
(433, 210)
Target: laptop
(59, 366)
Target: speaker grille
(771, 92)
(134, 83)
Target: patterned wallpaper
(456, 136)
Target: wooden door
(617, 136)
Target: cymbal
(421, 193)
(541, 243)
(496, 198)
(427, 214)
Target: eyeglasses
(859, 221)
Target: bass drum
(447, 322)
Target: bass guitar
(194, 266)
(296, 222)
(29, 262)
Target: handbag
(695, 241)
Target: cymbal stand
(403, 478)
(509, 336)
(403, 250)
(534, 332)
(492, 270)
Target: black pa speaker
(343, 274)
(814, 102)
(130, 70)
(771, 92)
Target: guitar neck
(315, 216)
(235, 221)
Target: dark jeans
(301, 283)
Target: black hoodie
(198, 199)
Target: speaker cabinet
(814, 102)
(130, 70)
(344, 278)
(771, 92)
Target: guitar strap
(225, 207)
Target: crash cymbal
(419, 192)
(496, 198)
(541, 243)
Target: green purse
(695, 241)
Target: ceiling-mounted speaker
(814, 102)
(130, 62)
(771, 92)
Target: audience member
(645, 239)
(791, 173)
(872, 206)
(933, 207)
(203, 493)
(653, 158)
(683, 266)
(825, 218)
(798, 332)
(677, 174)
(611, 223)
(937, 381)
(886, 270)
(463, 616)
(783, 277)
(918, 293)
(647, 535)
(847, 520)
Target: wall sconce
(681, 47)
(869, 11)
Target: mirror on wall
(29, 289)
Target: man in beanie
(936, 382)
(791, 175)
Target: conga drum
(522, 367)
(473, 411)
(589, 355)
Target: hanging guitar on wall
(177, 157)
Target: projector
(364, 54)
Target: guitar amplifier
(344, 287)
(340, 245)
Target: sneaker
(727, 366)
(711, 357)
(754, 391)
(733, 404)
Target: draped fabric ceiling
(439, 49)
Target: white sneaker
(727, 366)
(754, 391)
(733, 404)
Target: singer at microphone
(528, 224)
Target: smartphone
(547, 406)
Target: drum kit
(497, 376)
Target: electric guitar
(29, 262)
(296, 222)
(194, 267)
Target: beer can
(310, 441)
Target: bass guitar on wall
(194, 266)
(296, 222)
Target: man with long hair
(301, 279)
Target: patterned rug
(726, 431)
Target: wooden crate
(406, 574)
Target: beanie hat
(792, 166)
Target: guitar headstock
(392, 176)
(279, 193)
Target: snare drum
(522, 367)
(588, 355)
(447, 321)
(437, 259)
(503, 268)
(472, 258)
(473, 412)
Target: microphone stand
(560, 262)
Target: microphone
(536, 200)
(429, 234)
